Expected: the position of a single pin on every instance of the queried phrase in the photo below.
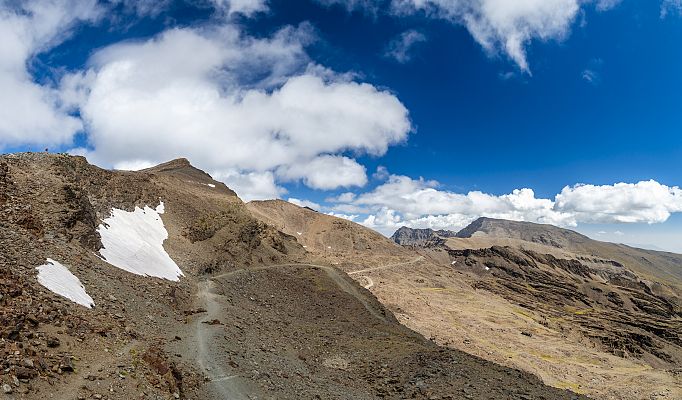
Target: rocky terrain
(656, 266)
(328, 238)
(421, 237)
(255, 309)
(529, 300)
(611, 298)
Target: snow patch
(133, 241)
(299, 233)
(487, 268)
(58, 279)
(210, 185)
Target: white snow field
(133, 241)
(58, 279)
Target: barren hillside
(529, 309)
(160, 284)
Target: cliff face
(421, 237)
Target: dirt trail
(223, 384)
(337, 276)
(370, 281)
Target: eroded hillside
(161, 284)
(578, 321)
(589, 299)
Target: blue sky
(422, 113)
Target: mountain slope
(616, 299)
(501, 317)
(192, 297)
(655, 265)
(333, 239)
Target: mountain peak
(175, 164)
(529, 231)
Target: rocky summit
(163, 284)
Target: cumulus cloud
(646, 201)
(30, 112)
(498, 25)
(342, 198)
(420, 203)
(348, 217)
(223, 8)
(250, 185)
(238, 104)
(327, 172)
(244, 7)
(402, 47)
(254, 110)
(402, 200)
(304, 203)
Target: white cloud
(671, 7)
(604, 5)
(646, 201)
(244, 7)
(498, 25)
(419, 203)
(32, 113)
(250, 185)
(342, 198)
(304, 203)
(381, 173)
(501, 24)
(238, 104)
(142, 8)
(327, 172)
(131, 165)
(591, 76)
(384, 221)
(402, 47)
(348, 217)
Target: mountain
(621, 300)
(649, 264)
(329, 238)
(161, 284)
(420, 237)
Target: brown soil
(252, 332)
(554, 317)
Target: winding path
(224, 383)
(361, 271)
(370, 281)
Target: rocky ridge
(405, 236)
